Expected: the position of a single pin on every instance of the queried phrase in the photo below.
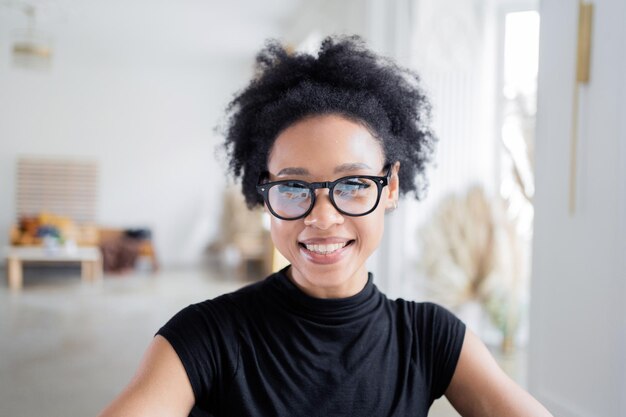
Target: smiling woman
(327, 144)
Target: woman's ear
(393, 187)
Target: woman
(327, 144)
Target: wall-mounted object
(31, 49)
(29, 46)
(583, 65)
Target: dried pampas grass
(471, 252)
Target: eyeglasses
(356, 195)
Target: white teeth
(326, 249)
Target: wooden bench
(89, 258)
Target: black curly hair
(346, 79)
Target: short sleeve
(442, 335)
(197, 335)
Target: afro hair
(345, 78)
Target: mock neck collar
(325, 309)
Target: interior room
(117, 209)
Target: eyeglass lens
(353, 195)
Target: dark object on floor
(122, 247)
(139, 234)
(119, 255)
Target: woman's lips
(327, 253)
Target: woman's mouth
(325, 253)
(325, 249)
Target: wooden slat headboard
(65, 187)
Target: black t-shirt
(271, 350)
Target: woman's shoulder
(218, 315)
(427, 315)
(421, 307)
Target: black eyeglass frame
(381, 182)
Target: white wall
(138, 86)
(327, 17)
(578, 331)
(621, 338)
(150, 131)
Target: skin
(317, 149)
(159, 388)
(480, 388)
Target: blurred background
(116, 211)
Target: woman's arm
(480, 388)
(159, 388)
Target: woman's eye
(356, 184)
(351, 187)
(293, 191)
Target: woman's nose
(323, 215)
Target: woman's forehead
(330, 142)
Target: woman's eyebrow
(354, 166)
(293, 171)
(348, 167)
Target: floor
(67, 348)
